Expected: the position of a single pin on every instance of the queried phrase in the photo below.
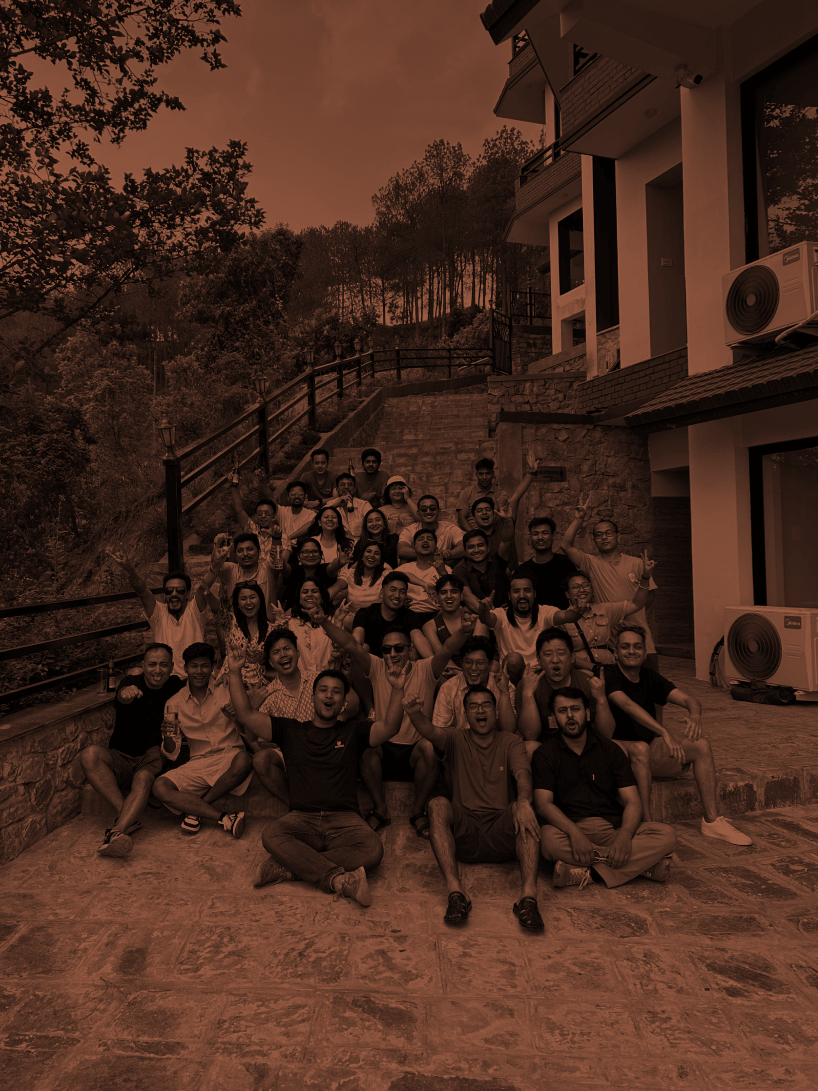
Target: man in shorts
(219, 762)
(486, 820)
(132, 759)
(634, 692)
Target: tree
(789, 145)
(69, 238)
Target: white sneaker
(723, 830)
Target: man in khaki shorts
(219, 762)
(634, 691)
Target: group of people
(367, 637)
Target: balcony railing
(537, 163)
(530, 307)
(518, 43)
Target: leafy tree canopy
(68, 237)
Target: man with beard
(179, 620)
(556, 670)
(586, 792)
(489, 817)
(323, 840)
(518, 625)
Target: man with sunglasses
(614, 575)
(449, 537)
(489, 818)
(407, 757)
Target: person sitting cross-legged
(406, 757)
(132, 759)
(586, 792)
(485, 821)
(323, 840)
(219, 762)
(634, 691)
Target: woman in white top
(314, 646)
(362, 581)
(248, 630)
(329, 531)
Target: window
(572, 254)
(780, 149)
(784, 513)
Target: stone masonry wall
(601, 81)
(528, 343)
(541, 393)
(41, 785)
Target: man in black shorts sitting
(483, 822)
(323, 840)
(132, 759)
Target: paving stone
(137, 1074)
(801, 870)
(753, 883)
(581, 1029)
(693, 1032)
(744, 976)
(253, 1025)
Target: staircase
(433, 441)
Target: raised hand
(597, 685)
(235, 662)
(648, 564)
(439, 562)
(413, 705)
(501, 679)
(531, 462)
(581, 510)
(397, 678)
(488, 601)
(234, 479)
(317, 614)
(530, 679)
(344, 557)
(119, 557)
(505, 512)
(220, 555)
(468, 620)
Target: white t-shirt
(449, 535)
(522, 637)
(353, 520)
(449, 711)
(419, 601)
(421, 683)
(294, 523)
(615, 582)
(366, 593)
(178, 635)
(314, 646)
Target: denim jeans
(318, 845)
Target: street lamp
(168, 434)
(338, 349)
(357, 343)
(260, 384)
(309, 354)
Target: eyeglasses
(605, 534)
(398, 649)
(484, 706)
(427, 510)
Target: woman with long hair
(250, 616)
(305, 563)
(330, 534)
(375, 529)
(398, 507)
(437, 630)
(314, 646)
(362, 580)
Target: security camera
(686, 77)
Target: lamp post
(173, 498)
(260, 383)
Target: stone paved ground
(167, 970)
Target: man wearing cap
(398, 507)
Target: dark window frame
(758, 546)
(564, 255)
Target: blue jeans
(318, 845)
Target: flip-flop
(379, 819)
(527, 913)
(458, 909)
(417, 823)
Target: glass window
(572, 253)
(789, 492)
(780, 111)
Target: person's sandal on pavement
(527, 913)
(458, 909)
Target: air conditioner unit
(777, 644)
(770, 295)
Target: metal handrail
(53, 605)
(537, 163)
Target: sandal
(380, 821)
(458, 909)
(420, 824)
(527, 913)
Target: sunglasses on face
(398, 649)
(428, 511)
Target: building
(681, 142)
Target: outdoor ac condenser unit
(770, 295)
(777, 644)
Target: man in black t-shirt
(132, 759)
(371, 623)
(484, 572)
(323, 840)
(634, 691)
(548, 570)
(586, 792)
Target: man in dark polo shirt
(548, 570)
(484, 572)
(323, 840)
(372, 622)
(489, 818)
(587, 794)
(556, 670)
(132, 759)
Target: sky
(332, 97)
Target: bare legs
(187, 802)
(99, 772)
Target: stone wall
(41, 786)
(549, 392)
(528, 343)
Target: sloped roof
(779, 378)
(501, 16)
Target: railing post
(263, 439)
(312, 418)
(372, 360)
(340, 369)
(173, 503)
(358, 368)
(449, 359)
(397, 361)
